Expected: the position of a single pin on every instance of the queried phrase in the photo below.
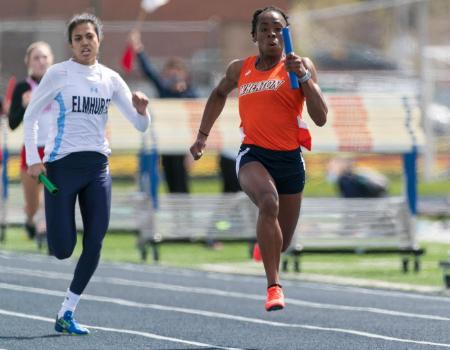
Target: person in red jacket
(38, 58)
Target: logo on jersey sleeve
(90, 105)
(259, 86)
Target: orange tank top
(270, 110)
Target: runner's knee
(62, 252)
(268, 204)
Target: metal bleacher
(326, 225)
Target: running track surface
(149, 307)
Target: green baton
(47, 183)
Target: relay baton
(47, 183)
(288, 49)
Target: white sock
(70, 303)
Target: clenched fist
(140, 102)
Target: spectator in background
(355, 182)
(2, 112)
(172, 82)
(38, 58)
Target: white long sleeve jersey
(82, 94)
(44, 116)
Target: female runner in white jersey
(76, 152)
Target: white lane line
(227, 277)
(27, 257)
(219, 315)
(163, 270)
(118, 330)
(36, 257)
(326, 286)
(221, 293)
(366, 291)
(156, 270)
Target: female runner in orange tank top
(270, 167)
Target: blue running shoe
(67, 324)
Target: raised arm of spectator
(147, 67)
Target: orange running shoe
(275, 298)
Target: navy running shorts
(287, 168)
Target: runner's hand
(296, 64)
(198, 147)
(36, 169)
(140, 102)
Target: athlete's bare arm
(215, 104)
(315, 101)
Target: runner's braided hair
(261, 10)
